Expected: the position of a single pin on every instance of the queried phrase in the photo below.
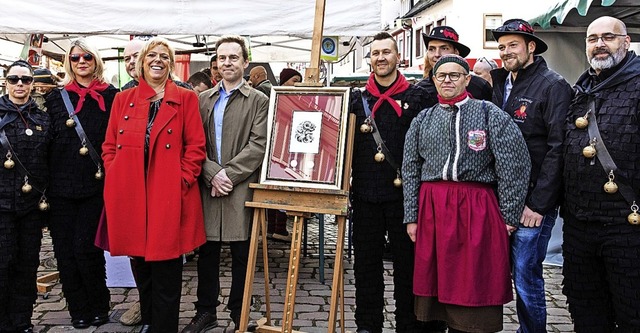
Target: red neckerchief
(453, 101)
(93, 90)
(401, 84)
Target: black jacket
(538, 104)
(617, 96)
(373, 181)
(478, 88)
(30, 149)
(72, 174)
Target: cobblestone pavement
(312, 300)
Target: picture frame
(306, 137)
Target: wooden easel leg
(265, 258)
(258, 220)
(292, 274)
(337, 286)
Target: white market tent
(278, 30)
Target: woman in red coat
(152, 154)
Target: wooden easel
(298, 202)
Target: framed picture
(306, 137)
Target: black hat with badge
(446, 34)
(520, 27)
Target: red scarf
(401, 84)
(453, 101)
(93, 90)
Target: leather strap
(376, 136)
(604, 157)
(81, 134)
(4, 141)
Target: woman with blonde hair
(79, 114)
(153, 154)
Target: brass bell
(397, 182)
(611, 187)
(43, 205)
(589, 151)
(70, 122)
(634, 217)
(9, 163)
(582, 122)
(365, 128)
(26, 187)
(99, 174)
(84, 151)
(379, 157)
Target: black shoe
(201, 322)
(252, 325)
(363, 330)
(145, 329)
(80, 323)
(100, 320)
(28, 329)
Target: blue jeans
(528, 250)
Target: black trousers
(602, 275)
(371, 222)
(209, 276)
(81, 264)
(160, 286)
(20, 236)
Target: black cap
(520, 27)
(449, 35)
(43, 75)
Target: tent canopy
(279, 31)
(580, 13)
(190, 17)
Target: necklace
(156, 94)
(28, 131)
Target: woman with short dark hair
(24, 143)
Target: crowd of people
(476, 165)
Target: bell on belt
(379, 157)
(26, 187)
(611, 187)
(583, 122)
(634, 217)
(9, 163)
(43, 205)
(366, 126)
(99, 174)
(70, 122)
(84, 150)
(590, 150)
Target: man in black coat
(601, 244)
(537, 98)
(441, 41)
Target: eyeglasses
(76, 57)
(608, 37)
(13, 79)
(453, 76)
(491, 63)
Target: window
(491, 22)
(441, 22)
(419, 43)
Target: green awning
(561, 10)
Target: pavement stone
(312, 297)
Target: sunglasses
(76, 57)
(515, 25)
(13, 79)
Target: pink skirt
(462, 245)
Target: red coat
(161, 218)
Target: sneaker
(281, 237)
(132, 317)
(201, 322)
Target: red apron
(462, 245)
